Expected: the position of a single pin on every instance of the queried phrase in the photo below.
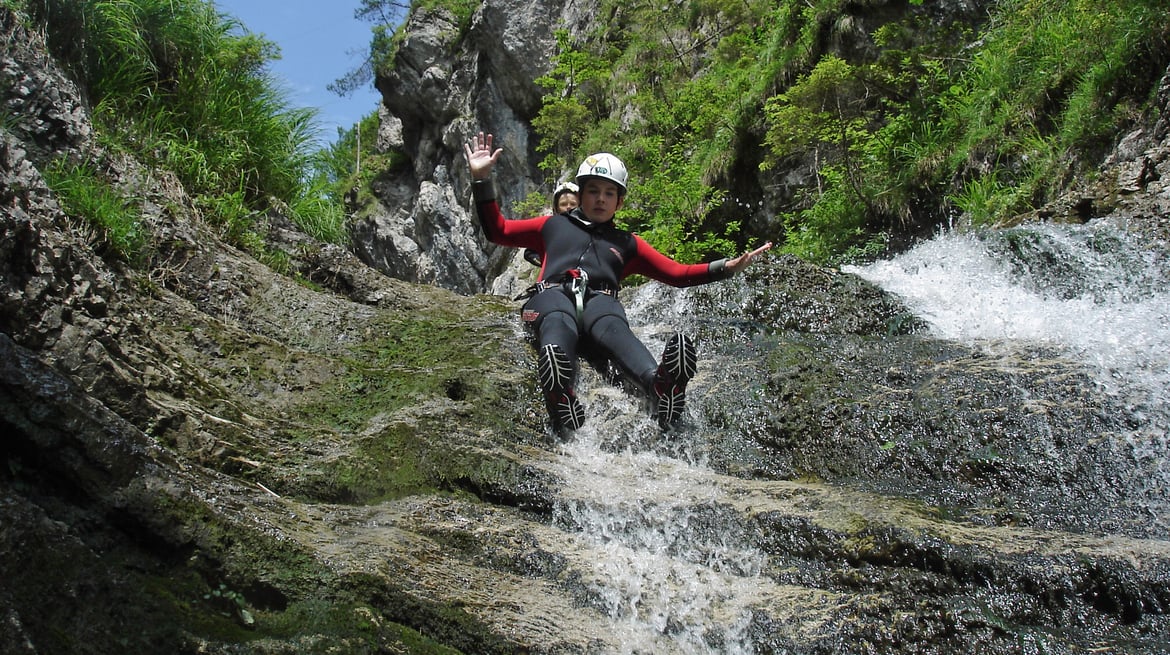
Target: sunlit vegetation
(860, 129)
(82, 192)
(901, 126)
(187, 89)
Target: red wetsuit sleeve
(657, 266)
(523, 233)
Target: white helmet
(605, 166)
(565, 187)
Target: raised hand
(480, 156)
(739, 263)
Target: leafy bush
(670, 206)
(569, 107)
(534, 204)
(832, 229)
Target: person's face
(566, 201)
(600, 200)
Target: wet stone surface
(205, 456)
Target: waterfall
(667, 570)
(1093, 291)
(1090, 290)
(664, 552)
(670, 565)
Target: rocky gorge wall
(445, 86)
(204, 456)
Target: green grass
(87, 196)
(182, 87)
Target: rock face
(1136, 184)
(203, 456)
(444, 87)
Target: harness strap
(577, 283)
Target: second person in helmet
(564, 199)
(576, 298)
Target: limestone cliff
(446, 84)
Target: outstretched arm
(480, 156)
(655, 265)
(739, 263)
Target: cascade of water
(670, 565)
(671, 577)
(1087, 289)
(1093, 291)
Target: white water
(669, 583)
(672, 580)
(647, 507)
(1118, 323)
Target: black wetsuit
(575, 250)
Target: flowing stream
(1091, 290)
(672, 567)
(1088, 289)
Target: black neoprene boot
(555, 373)
(680, 361)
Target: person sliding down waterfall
(585, 258)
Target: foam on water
(1094, 292)
(1117, 319)
(667, 562)
(662, 568)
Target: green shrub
(832, 230)
(535, 204)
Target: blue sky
(319, 41)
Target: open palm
(480, 156)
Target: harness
(575, 282)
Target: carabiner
(579, 286)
